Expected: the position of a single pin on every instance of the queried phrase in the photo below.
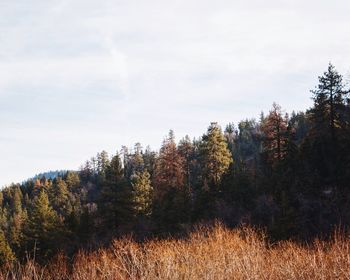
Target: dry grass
(216, 253)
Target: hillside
(286, 173)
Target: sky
(80, 76)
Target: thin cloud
(80, 76)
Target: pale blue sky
(79, 76)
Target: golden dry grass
(216, 253)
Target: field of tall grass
(208, 253)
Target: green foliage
(326, 141)
(134, 162)
(102, 163)
(116, 198)
(58, 193)
(72, 181)
(44, 229)
(216, 157)
(6, 254)
(187, 152)
(329, 97)
(142, 193)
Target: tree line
(287, 173)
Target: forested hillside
(288, 173)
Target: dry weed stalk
(216, 253)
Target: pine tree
(246, 146)
(15, 230)
(134, 162)
(17, 197)
(171, 207)
(330, 102)
(6, 254)
(216, 157)
(186, 150)
(102, 164)
(59, 197)
(115, 201)
(149, 159)
(16, 217)
(86, 171)
(275, 128)
(326, 145)
(170, 172)
(215, 160)
(72, 180)
(142, 193)
(43, 230)
(115, 172)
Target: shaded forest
(286, 173)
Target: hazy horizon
(78, 77)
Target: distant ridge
(50, 174)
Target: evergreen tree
(86, 171)
(115, 202)
(330, 102)
(149, 159)
(328, 134)
(170, 172)
(134, 162)
(186, 150)
(102, 164)
(72, 180)
(275, 128)
(171, 197)
(43, 230)
(16, 222)
(6, 254)
(231, 135)
(216, 157)
(58, 194)
(142, 193)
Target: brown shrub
(216, 253)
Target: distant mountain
(50, 174)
